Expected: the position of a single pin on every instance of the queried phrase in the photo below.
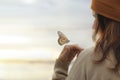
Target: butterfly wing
(62, 38)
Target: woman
(101, 62)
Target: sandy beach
(26, 71)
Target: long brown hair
(109, 38)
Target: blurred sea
(26, 71)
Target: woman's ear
(94, 14)
(95, 23)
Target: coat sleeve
(77, 71)
(60, 70)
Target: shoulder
(84, 57)
(79, 67)
(86, 52)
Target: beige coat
(84, 68)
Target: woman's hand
(69, 52)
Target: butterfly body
(62, 38)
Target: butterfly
(62, 38)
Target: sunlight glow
(13, 39)
(40, 54)
(29, 1)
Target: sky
(28, 28)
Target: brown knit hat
(107, 8)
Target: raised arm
(62, 63)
